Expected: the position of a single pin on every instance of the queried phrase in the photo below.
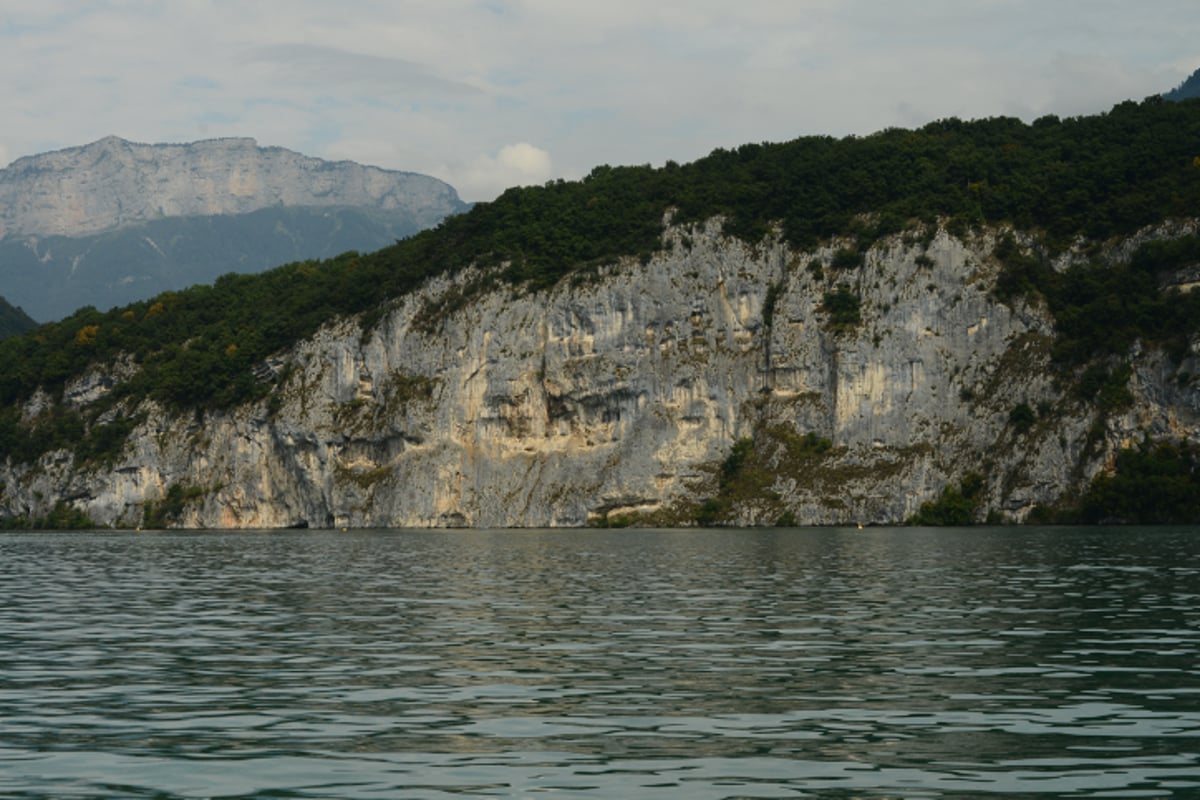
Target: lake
(706, 664)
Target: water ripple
(700, 664)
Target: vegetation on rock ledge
(957, 505)
(62, 517)
(1100, 309)
(169, 509)
(1154, 483)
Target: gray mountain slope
(114, 221)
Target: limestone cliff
(623, 393)
(113, 182)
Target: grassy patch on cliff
(168, 510)
(843, 308)
(63, 517)
(364, 479)
(93, 443)
(956, 505)
(104, 442)
(746, 478)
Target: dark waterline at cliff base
(832, 663)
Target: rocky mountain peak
(113, 182)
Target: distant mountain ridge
(115, 221)
(1188, 89)
(52, 276)
(13, 321)
(113, 182)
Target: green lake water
(706, 664)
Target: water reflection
(834, 662)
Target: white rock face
(112, 182)
(625, 393)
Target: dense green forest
(1094, 177)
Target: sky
(487, 94)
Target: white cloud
(485, 176)
(4, 158)
(525, 162)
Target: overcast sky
(491, 93)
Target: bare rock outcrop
(623, 395)
(113, 182)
